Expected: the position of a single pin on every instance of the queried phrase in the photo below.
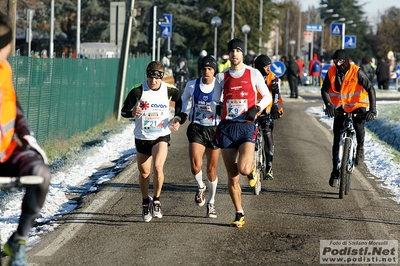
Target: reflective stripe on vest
(351, 95)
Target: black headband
(154, 74)
(5, 39)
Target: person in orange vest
(347, 89)
(272, 112)
(20, 154)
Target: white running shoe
(147, 212)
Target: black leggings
(28, 162)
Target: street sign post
(313, 27)
(350, 41)
(278, 68)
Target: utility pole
(12, 14)
(123, 60)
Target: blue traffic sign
(313, 27)
(324, 70)
(336, 29)
(166, 31)
(278, 68)
(167, 19)
(398, 71)
(350, 41)
(166, 26)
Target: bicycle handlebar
(17, 181)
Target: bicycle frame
(259, 159)
(347, 133)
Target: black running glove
(251, 114)
(330, 110)
(370, 115)
(275, 112)
(183, 117)
(218, 109)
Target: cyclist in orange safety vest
(272, 112)
(27, 159)
(347, 88)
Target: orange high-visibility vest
(268, 80)
(8, 112)
(351, 95)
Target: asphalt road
(284, 224)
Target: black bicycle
(259, 159)
(347, 152)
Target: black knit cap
(342, 54)
(236, 44)
(261, 61)
(209, 61)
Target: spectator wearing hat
(200, 133)
(235, 100)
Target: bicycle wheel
(344, 174)
(258, 157)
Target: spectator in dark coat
(292, 76)
(382, 74)
(284, 76)
(367, 68)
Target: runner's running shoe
(16, 251)
(211, 212)
(147, 213)
(252, 178)
(157, 209)
(239, 220)
(200, 197)
(270, 174)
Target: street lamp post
(245, 29)
(292, 43)
(215, 22)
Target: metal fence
(65, 96)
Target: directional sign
(166, 31)
(313, 27)
(167, 20)
(278, 68)
(336, 29)
(398, 71)
(350, 41)
(166, 26)
(325, 70)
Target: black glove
(275, 86)
(218, 109)
(370, 115)
(330, 110)
(274, 112)
(183, 117)
(252, 113)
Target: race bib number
(236, 108)
(152, 122)
(204, 115)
